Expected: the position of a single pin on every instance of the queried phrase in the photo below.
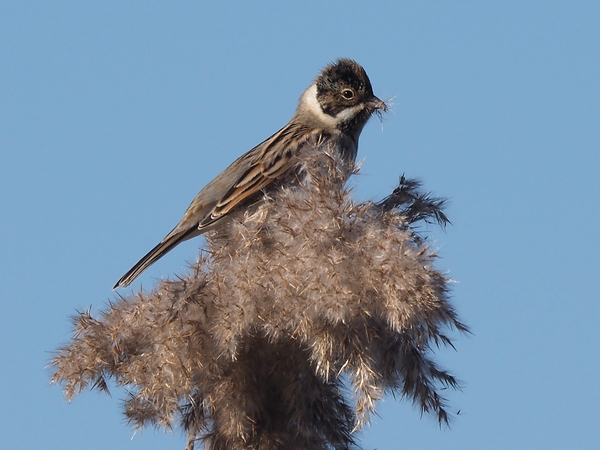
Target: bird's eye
(348, 94)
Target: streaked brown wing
(276, 158)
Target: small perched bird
(331, 112)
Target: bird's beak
(377, 105)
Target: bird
(333, 111)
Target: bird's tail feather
(165, 246)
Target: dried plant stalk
(250, 349)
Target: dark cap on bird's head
(344, 72)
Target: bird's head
(341, 97)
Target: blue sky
(113, 115)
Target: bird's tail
(164, 247)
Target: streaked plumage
(332, 111)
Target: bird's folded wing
(265, 164)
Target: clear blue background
(113, 115)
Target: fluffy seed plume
(301, 297)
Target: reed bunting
(331, 113)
